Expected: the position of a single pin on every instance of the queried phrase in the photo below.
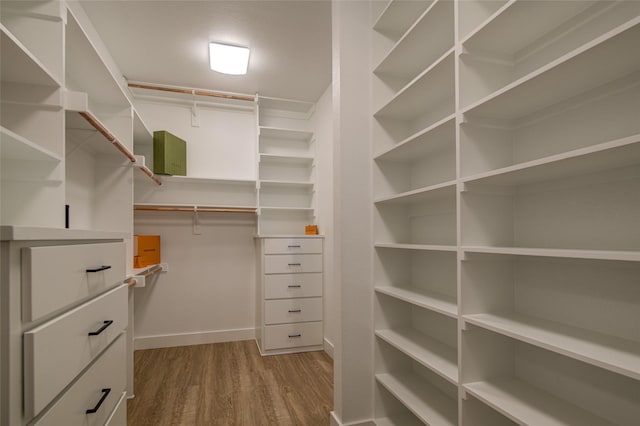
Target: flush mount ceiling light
(228, 59)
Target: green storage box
(169, 154)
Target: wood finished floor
(230, 384)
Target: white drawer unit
(292, 245)
(293, 335)
(285, 286)
(289, 300)
(292, 263)
(92, 399)
(55, 277)
(284, 311)
(58, 350)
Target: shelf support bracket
(195, 114)
(196, 222)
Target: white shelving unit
(286, 167)
(505, 183)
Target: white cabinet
(289, 296)
(506, 148)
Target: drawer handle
(295, 264)
(295, 335)
(298, 246)
(107, 323)
(294, 286)
(295, 311)
(100, 268)
(105, 394)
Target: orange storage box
(146, 250)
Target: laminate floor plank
(229, 384)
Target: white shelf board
(287, 209)
(621, 255)
(16, 147)
(426, 247)
(290, 183)
(286, 158)
(211, 180)
(432, 139)
(141, 133)
(431, 353)
(212, 206)
(30, 233)
(410, 102)
(533, 19)
(281, 104)
(605, 156)
(429, 404)
(593, 64)
(398, 16)
(528, 405)
(19, 65)
(429, 193)
(398, 420)
(402, 59)
(612, 353)
(436, 302)
(289, 236)
(288, 134)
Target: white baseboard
(334, 421)
(198, 338)
(328, 348)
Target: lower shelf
(525, 404)
(429, 404)
(398, 421)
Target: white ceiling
(166, 42)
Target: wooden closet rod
(194, 209)
(192, 92)
(108, 135)
(147, 171)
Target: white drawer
(57, 276)
(292, 263)
(292, 335)
(286, 286)
(56, 351)
(292, 310)
(118, 416)
(292, 245)
(105, 379)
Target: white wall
(322, 122)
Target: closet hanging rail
(91, 119)
(194, 209)
(198, 92)
(147, 171)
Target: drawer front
(108, 372)
(58, 276)
(292, 335)
(55, 352)
(292, 310)
(292, 263)
(292, 245)
(292, 285)
(119, 415)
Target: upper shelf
(286, 158)
(285, 105)
(141, 133)
(398, 16)
(594, 64)
(429, 193)
(282, 133)
(435, 25)
(15, 147)
(619, 255)
(19, 65)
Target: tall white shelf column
(506, 240)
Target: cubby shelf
(609, 155)
(308, 185)
(15, 147)
(615, 354)
(19, 65)
(398, 16)
(286, 158)
(528, 405)
(435, 24)
(632, 256)
(424, 400)
(437, 302)
(425, 247)
(593, 64)
(212, 180)
(445, 189)
(431, 353)
(283, 133)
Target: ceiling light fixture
(228, 59)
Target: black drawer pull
(295, 335)
(295, 311)
(105, 394)
(298, 246)
(294, 286)
(295, 264)
(100, 268)
(107, 323)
